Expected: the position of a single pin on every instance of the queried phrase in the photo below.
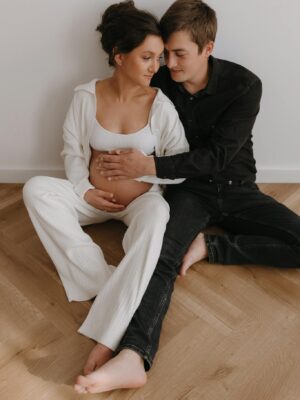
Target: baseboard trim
(22, 175)
(263, 175)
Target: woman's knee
(159, 210)
(33, 188)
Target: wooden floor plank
(231, 332)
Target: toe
(81, 381)
(79, 389)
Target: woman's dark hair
(123, 28)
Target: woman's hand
(104, 201)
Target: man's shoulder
(161, 78)
(235, 73)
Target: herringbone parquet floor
(231, 333)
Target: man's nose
(170, 61)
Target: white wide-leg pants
(58, 213)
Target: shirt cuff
(165, 167)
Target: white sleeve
(74, 161)
(171, 137)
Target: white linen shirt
(164, 123)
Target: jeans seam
(249, 246)
(210, 249)
(151, 328)
(261, 223)
(145, 353)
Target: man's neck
(199, 82)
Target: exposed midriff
(124, 191)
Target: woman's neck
(123, 88)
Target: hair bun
(114, 12)
(123, 27)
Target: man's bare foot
(125, 371)
(196, 252)
(97, 357)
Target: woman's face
(142, 62)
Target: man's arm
(228, 136)
(130, 164)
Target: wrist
(87, 194)
(150, 166)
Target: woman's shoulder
(163, 111)
(162, 101)
(89, 87)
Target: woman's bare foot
(97, 357)
(196, 252)
(125, 371)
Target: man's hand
(102, 200)
(125, 164)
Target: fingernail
(109, 179)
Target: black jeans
(259, 230)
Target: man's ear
(209, 48)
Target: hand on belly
(124, 191)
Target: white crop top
(103, 140)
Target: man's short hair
(193, 16)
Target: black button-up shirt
(218, 123)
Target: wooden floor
(231, 332)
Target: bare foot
(196, 252)
(125, 371)
(97, 357)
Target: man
(218, 102)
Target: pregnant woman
(122, 111)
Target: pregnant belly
(124, 191)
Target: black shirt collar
(211, 87)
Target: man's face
(183, 58)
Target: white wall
(50, 46)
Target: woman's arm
(76, 165)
